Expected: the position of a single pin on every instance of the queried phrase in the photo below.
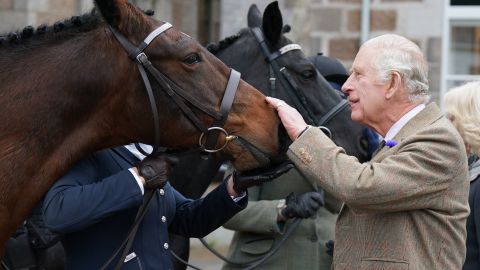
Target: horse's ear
(111, 10)
(272, 24)
(254, 17)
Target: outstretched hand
(291, 119)
(246, 179)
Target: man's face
(366, 94)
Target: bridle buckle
(141, 58)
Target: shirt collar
(403, 121)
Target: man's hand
(291, 119)
(302, 206)
(155, 170)
(246, 179)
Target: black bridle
(179, 95)
(297, 97)
(300, 102)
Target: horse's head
(188, 88)
(272, 63)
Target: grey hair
(398, 54)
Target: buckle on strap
(142, 58)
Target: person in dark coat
(94, 205)
(462, 106)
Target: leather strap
(227, 102)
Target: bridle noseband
(179, 95)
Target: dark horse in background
(314, 97)
(70, 89)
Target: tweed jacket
(257, 230)
(406, 208)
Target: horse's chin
(247, 162)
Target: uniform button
(165, 246)
(164, 219)
(162, 192)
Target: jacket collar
(425, 117)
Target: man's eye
(192, 59)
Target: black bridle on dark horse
(298, 98)
(300, 102)
(179, 96)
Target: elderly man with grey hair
(407, 207)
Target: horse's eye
(308, 74)
(192, 59)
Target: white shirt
(402, 122)
(147, 148)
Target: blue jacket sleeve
(84, 196)
(200, 217)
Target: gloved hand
(330, 245)
(156, 170)
(246, 179)
(302, 206)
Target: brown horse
(70, 89)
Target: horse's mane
(215, 48)
(60, 30)
(223, 44)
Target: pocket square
(391, 143)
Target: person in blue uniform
(94, 205)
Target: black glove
(330, 245)
(246, 179)
(156, 170)
(302, 206)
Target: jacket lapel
(430, 114)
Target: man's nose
(346, 87)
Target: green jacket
(257, 228)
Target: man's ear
(394, 86)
